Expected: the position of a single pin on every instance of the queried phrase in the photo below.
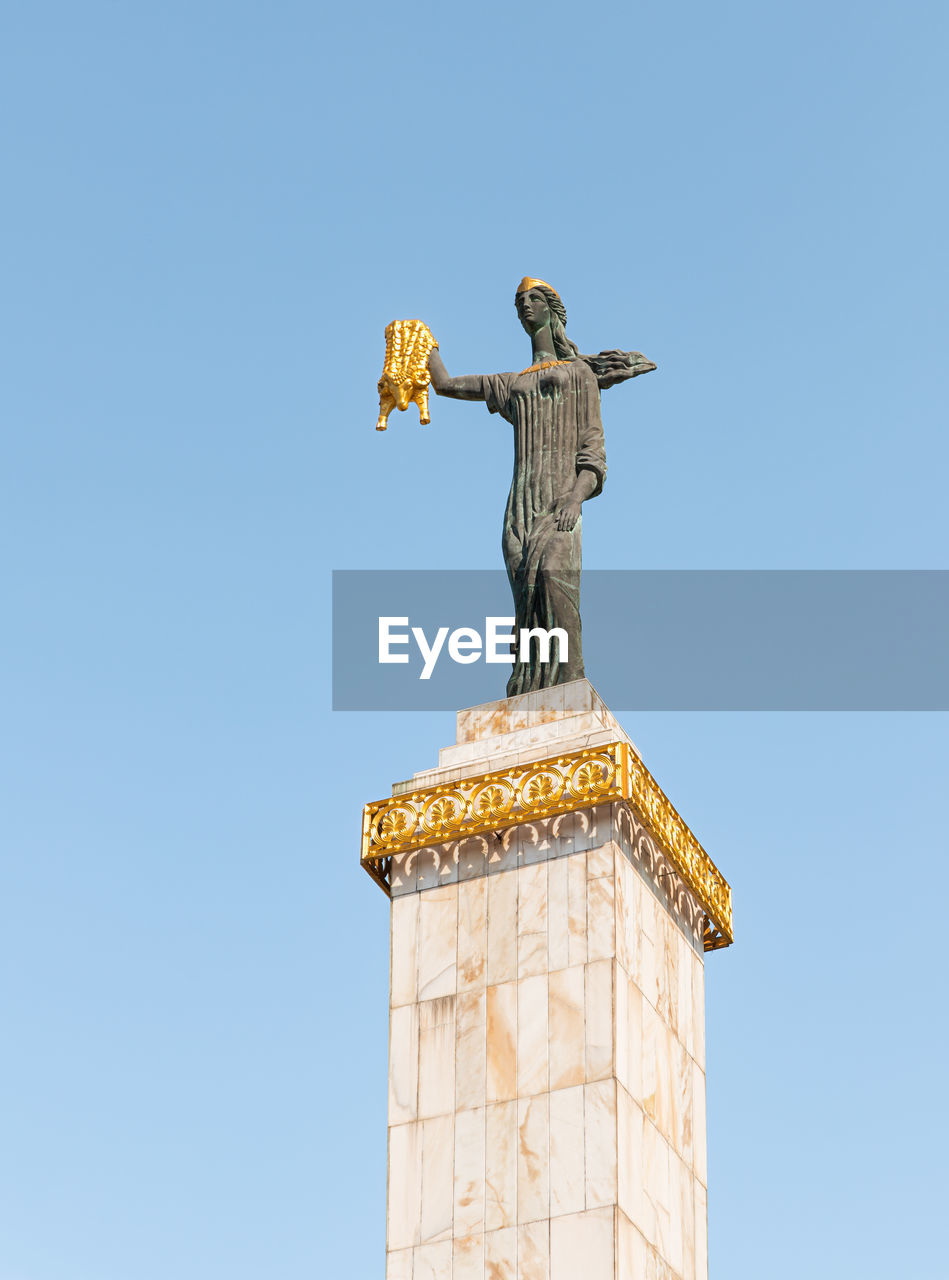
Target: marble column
(546, 1048)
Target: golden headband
(530, 283)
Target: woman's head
(538, 303)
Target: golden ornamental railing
(490, 802)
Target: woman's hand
(465, 388)
(567, 513)
(566, 509)
(437, 371)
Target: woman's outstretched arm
(469, 387)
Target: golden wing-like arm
(405, 377)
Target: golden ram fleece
(405, 377)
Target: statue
(559, 459)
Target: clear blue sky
(210, 212)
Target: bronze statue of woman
(559, 462)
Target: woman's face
(532, 310)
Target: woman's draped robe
(555, 413)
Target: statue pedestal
(550, 913)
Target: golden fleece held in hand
(405, 377)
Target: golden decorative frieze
(491, 802)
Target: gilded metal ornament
(405, 376)
(543, 789)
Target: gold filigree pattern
(542, 789)
(397, 823)
(590, 778)
(444, 812)
(493, 800)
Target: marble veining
(546, 1049)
